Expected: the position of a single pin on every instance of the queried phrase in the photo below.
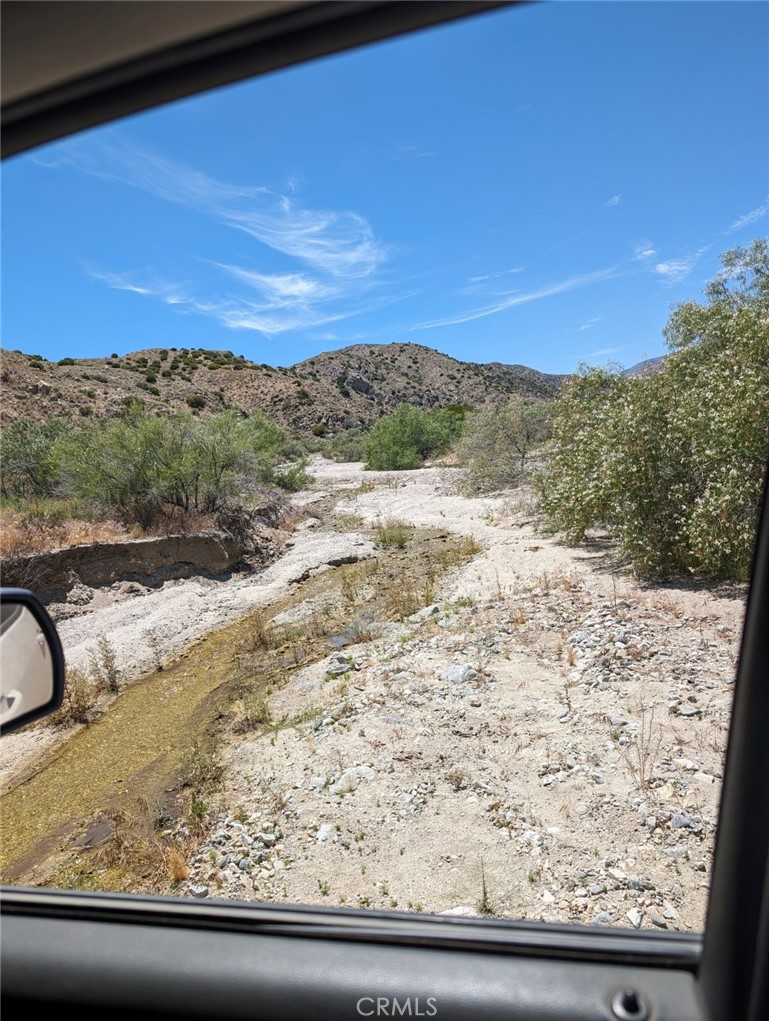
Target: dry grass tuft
(48, 525)
(80, 696)
(393, 533)
(177, 866)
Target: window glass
(386, 437)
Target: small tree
(497, 441)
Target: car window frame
(726, 959)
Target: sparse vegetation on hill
(326, 396)
(673, 463)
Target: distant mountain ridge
(329, 392)
(645, 368)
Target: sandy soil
(545, 741)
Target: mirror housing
(31, 660)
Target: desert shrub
(497, 442)
(253, 712)
(291, 477)
(347, 446)
(28, 457)
(196, 401)
(674, 462)
(143, 465)
(66, 361)
(103, 666)
(407, 437)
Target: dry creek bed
(544, 739)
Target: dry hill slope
(332, 391)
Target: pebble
(636, 916)
(681, 820)
(349, 780)
(459, 674)
(340, 664)
(199, 891)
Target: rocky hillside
(332, 391)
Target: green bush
(196, 401)
(66, 361)
(142, 465)
(407, 437)
(673, 463)
(29, 464)
(292, 477)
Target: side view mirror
(31, 660)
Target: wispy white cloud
(673, 271)
(516, 298)
(643, 250)
(280, 289)
(412, 152)
(613, 201)
(283, 302)
(337, 252)
(589, 324)
(604, 351)
(171, 294)
(494, 276)
(752, 217)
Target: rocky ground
(544, 740)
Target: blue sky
(536, 185)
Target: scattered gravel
(541, 741)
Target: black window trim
(253, 48)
